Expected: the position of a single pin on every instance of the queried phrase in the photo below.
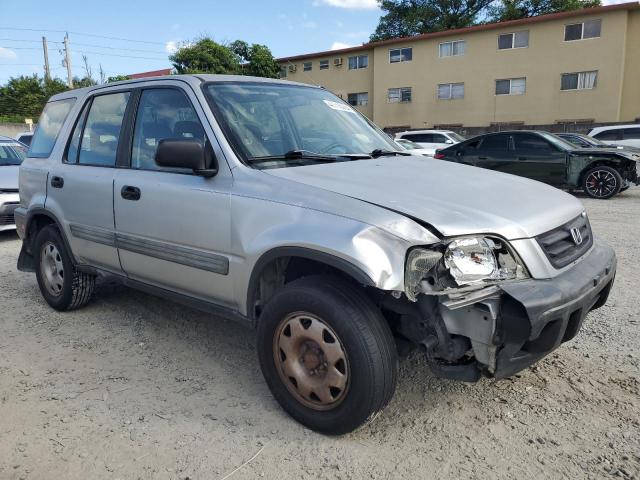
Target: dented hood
(455, 199)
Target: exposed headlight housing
(473, 261)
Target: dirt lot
(136, 387)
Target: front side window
(580, 31)
(49, 125)
(513, 40)
(528, 142)
(101, 130)
(359, 61)
(615, 134)
(499, 143)
(450, 91)
(358, 99)
(307, 66)
(264, 121)
(631, 133)
(511, 86)
(452, 49)
(324, 64)
(162, 113)
(579, 80)
(398, 55)
(399, 95)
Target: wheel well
(600, 163)
(36, 223)
(277, 272)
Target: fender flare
(28, 241)
(338, 263)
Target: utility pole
(67, 60)
(47, 72)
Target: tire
(52, 260)
(602, 182)
(340, 312)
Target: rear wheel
(61, 285)
(327, 354)
(602, 182)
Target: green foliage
(25, 96)
(405, 18)
(205, 56)
(515, 9)
(118, 78)
(259, 61)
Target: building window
(283, 72)
(580, 31)
(399, 95)
(400, 55)
(579, 80)
(359, 61)
(450, 91)
(358, 99)
(307, 66)
(513, 40)
(324, 64)
(452, 49)
(511, 86)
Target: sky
(125, 37)
(287, 27)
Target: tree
(24, 97)
(256, 60)
(515, 9)
(117, 78)
(404, 18)
(205, 56)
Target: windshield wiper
(294, 155)
(378, 152)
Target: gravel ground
(133, 386)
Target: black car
(601, 173)
(585, 141)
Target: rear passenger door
(172, 226)
(80, 188)
(495, 153)
(540, 160)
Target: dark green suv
(542, 156)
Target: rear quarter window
(49, 125)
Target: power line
(118, 55)
(81, 34)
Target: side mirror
(187, 153)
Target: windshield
(273, 120)
(457, 137)
(561, 143)
(11, 154)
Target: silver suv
(279, 205)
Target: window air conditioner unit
(337, 62)
(292, 68)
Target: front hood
(604, 152)
(455, 199)
(9, 177)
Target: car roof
(614, 127)
(408, 132)
(193, 80)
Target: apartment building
(581, 66)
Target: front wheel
(602, 182)
(327, 354)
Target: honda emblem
(576, 235)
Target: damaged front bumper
(503, 329)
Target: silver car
(11, 155)
(279, 205)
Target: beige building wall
(615, 55)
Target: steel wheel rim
(311, 361)
(52, 269)
(600, 183)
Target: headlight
(462, 262)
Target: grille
(7, 219)
(559, 245)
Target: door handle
(57, 182)
(130, 193)
(523, 158)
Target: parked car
(279, 205)
(413, 148)
(547, 158)
(11, 155)
(25, 138)
(626, 135)
(431, 139)
(585, 141)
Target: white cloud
(7, 54)
(340, 45)
(349, 4)
(171, 46)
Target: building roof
(475, 28)
(153, 73)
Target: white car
(626, 135)
(11, 155)
(414, 149)
(431, 139)
(25, 137)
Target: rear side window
(631, 133)
(420, 137)
(495, 142)
(609, 135)
(97, 132)
(49, 125)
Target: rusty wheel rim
(311, 361)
